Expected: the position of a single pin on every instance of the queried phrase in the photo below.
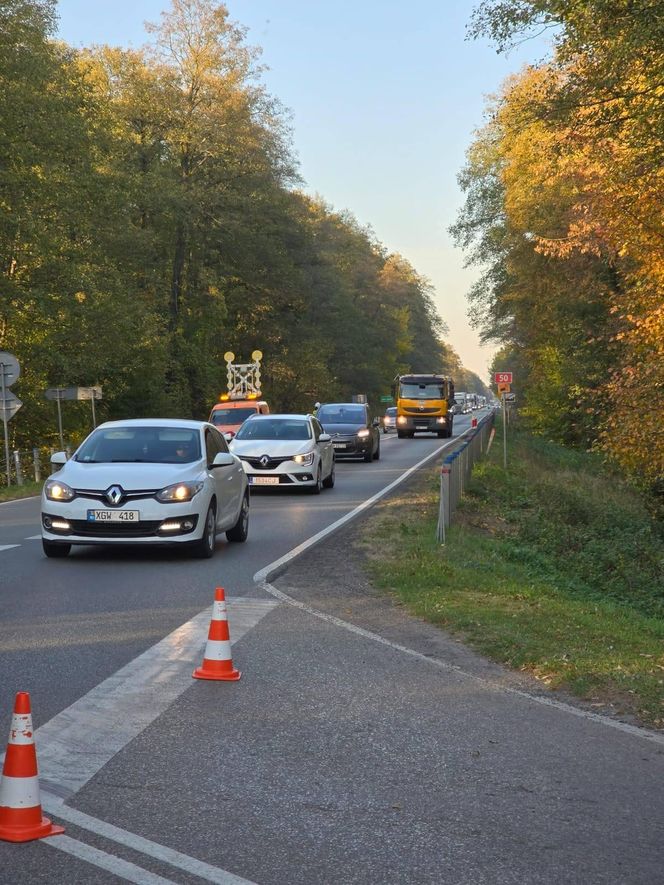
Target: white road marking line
(8, 546)
(209, 873)
(270, 570)
(81, 739)
(261, 578)
(642, 733)
(34, 538)
(18, 500)
(121, 868)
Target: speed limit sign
(503, 377)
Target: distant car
(390, 419)
(146, 481)
(285, 450)
(354, 433)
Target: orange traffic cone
(21, 816)
(217, 662)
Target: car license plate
(264, 480)
(421, 427)
(113, 515)
(339, 445)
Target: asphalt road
(359, 746)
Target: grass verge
(13, 493)
(553, 567)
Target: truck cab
(230, 414)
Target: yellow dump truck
(424, 404)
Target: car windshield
(150, 445)
(422, 391)
(390, 413)
(232, 416)
(274, 428)
(334, 414)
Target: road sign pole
(4, 421)
(94, 417)
(504, 431)
(62, 441)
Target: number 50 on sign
(503, 377)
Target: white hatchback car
(285, 450)
(146, 481)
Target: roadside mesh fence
(27, 465)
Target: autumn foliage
(565, 213)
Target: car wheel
(328, 482)
(55, 550)
(368, 455)
(240, 530)
(376, 456)
(204, 548)
(315, 490)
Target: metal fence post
(17, 467)
(37, 465)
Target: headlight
(179, 493)
(304, 459)
(402, 419)
(58, 491)
(441, 420)
(363, 434)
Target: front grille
(255, 463)
(425, 411)
(145, 529)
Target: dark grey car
(355, 434)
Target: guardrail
(457, 468)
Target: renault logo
(421, 407)
(114, 494)
(264, 461)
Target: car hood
(275, 448)
(132, 477)
(343, 429)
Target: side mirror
(59, 459)
(324, 437)
(223, 459)
(228, 435)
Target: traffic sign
(503, 377)
(77, 393)
(386, 399)
(9, 406)
(510, 397)
(9, 368)
(503, 387)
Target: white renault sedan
(146, 481)
(286, 451)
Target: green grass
(553, 567)
(15, 492)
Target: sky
(384, 97)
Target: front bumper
(351, 446)
(288, 473)
(69, 523)
(424, 424)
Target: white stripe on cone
(19, 792)
(219, 609)
(20, 731)
(217, 650)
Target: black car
(354, 433)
